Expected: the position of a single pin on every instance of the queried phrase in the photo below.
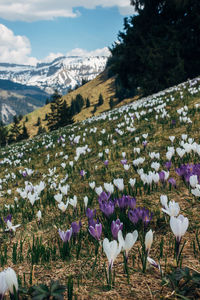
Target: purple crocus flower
(126, 201)
(172, 181)
(24, 174)
(90, 213)
(144, 143)
(65, 235)
(124, 161)
(103, 197)
(107, 208)
(76, 227)
(115, 227)
(106, 162)
(173, 122)
(92, 222)
(96, 231)
(162, 176)
(82, 173)
(140, 213)
(8, 218)
(133, 216)
(146, 217)
(168, 165)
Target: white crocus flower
(164, 200)
(58, 197)
(193, 181)
(196, 191)
(92, 185)
(179, 226)
(172, 137)
(132, 182)
(126, 167)
(73, 201)
(39, 215)
(109, 187)
(11, 280)
(148, 240)
(98, 190)
(119, 183)
(64, 189)
(85, 199)
(129, 241)
(172, 209)
(62, 206)
(112, 250)
(11, 227)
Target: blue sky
(42, 30)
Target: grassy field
(55, 172)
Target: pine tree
(87, 102)
(60, 115)
(100, 100)
(24, 135)
(159, 47)
(15, 131)
(111, 103)
(3, 134)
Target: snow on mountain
(63, 73)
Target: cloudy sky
(41, 30)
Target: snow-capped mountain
(63, 73)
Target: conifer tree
(3, 134)
(87, 102)
(15, 131)
(60, 115)
(24, 135)
(100, 100)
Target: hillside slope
(131, 168)
(92, 89)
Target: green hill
(154, 141)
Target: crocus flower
(8, 281)
(179, 226)
(168, 165)
(148, 240)
(119, 183)
(96, 231)
(107, 208)
(10, 226)
(112, 250)
(76, 227)
(172, 181)
(82, 173)
(172, 209)
(3, 284)
(106, 163)
(11, 280)
(153, 263)
(39, 215)
(85, 199)
(90, 213)
(65, 235)
(115, 227)
(129, 241)
(8, 218)
(163, 200)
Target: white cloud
(82, 52)
(51, 57)
(17, 49)
(33, 10)
(14, 48)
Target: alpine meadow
(100, 187)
